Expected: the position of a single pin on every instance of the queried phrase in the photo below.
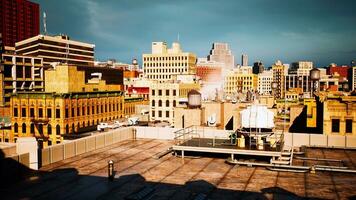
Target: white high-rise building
(221, 53)
(244, 60)
(265, 80)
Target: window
(167, 92)
(40, 129)
(348, 126)
(167, 113)
(167, 103)
(66, 113)
(159, 103)
(159, 113)
(23, 128)
(174, 103)
(174, 93)
(16, 128)
(153, 113)
(32, 128)
(159, 92)
(335, 125)
(32, 112)
(153, 103)
(23, 112)
(49, 113)
(49, 129)
(15, 112)
(58, 130)
(153, 92)
(58, 113)
(78, 111)
(40, 112)
(72, 112)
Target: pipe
(333, 167)
(287, 170)
(318, 159)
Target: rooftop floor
(85, 177)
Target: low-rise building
(237, 81)
(265, 80)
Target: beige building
(163, 63)
(265, 82)
(164, 97)
(301, 68)
(57, 49)
(237, 81)
(280, 72)
(74, 101)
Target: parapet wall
(319, 140)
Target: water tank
(194, 99)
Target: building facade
(57, 49)
(220, 52)
(340, 71)
(301, 68)
(19, 74)
(237, 82)
(20, 20)
(265, 82)
(71, 104)
(258, 67)
(164, 97)
(209, 71)
(163, 63)
(279, 75)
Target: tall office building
(244, 60)
(163, 63)
(279, 71)
(258, 67)
(301, 68)
(264, 82)
(221, 53)
(20, 20)
(57, 49)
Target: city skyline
(319, 31)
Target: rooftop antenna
(44, 23)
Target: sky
(322, 31)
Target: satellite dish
(133, 120)
(212, 120)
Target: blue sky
(322, 31)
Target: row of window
(160, 103)
(165, 58)
(165, 64)
(335, 125)
(74, 111)
(39, 128)
(167, 93)
(160, 113)
(175, 70)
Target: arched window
(167, 103)
(32, 129)
(160, 103)
(153, 103)
(40, 129)
(58, 130)
(49, 129)
(67, 129)
(16, 128)
(23, 128)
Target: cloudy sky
(322, 31)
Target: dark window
(88, 110)
(32, 112)
(66, 113)
(49, 113)
(32, 128)
(23, 128)
(58, 130)
(159, 103)
(335, 125)
(67, 129)
(153, 92)
(167, 113)
(78, 111)
(153, 103)
(49, 129)
(174, 93)
(72, 112)
(153, 113)
(40, 112)
(348, 125)
(167, 92)
(23, 112)
(159, 113)
(15, 112)
(16, 128)
(40, 129)
(159, 92)
(83, 110)
(49, 142)
(174, 103)
(167, 103)
(58, 113)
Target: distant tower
(244, 60)
(258, 67)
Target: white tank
(194, 99)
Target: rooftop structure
(220, 52)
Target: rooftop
(170, 177)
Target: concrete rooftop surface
(138, 172)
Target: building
(258, 67)
(301, 83)
(57, 49)
(301, 68)
(164, 97)
(75, 100)
(244, 60)
(264, 85)
(20, 20)
(340, 71)
(239, 82)
(137, 87)
(352, 78)
(163, 63)
(279, 71)
(131, 104)
(19, 74)
(209, 71)
(220, 52)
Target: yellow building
(279, 73)
(75, 101)
(131, 104)
(163, 63)
(237, 82)
(164, 97)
